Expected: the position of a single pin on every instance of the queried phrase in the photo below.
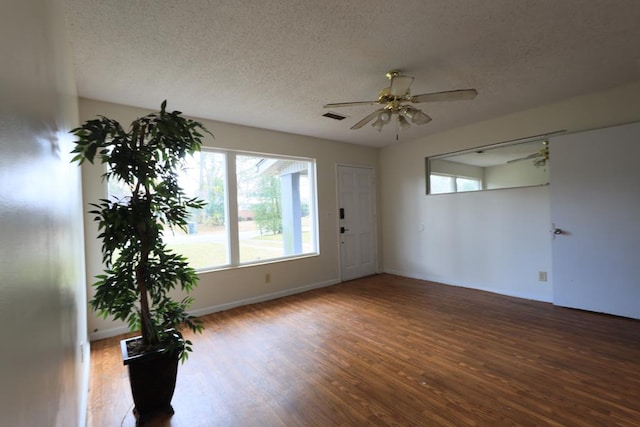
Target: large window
(259, 208)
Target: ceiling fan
(539, 158)
(394, 99)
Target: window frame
(232, 208)
(454, 183)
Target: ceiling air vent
(334, 116)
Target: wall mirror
(518, 163)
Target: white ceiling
(273, 64)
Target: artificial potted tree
(140, 271)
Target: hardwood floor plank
(392, 351)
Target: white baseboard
(262, 298)
(108, 333)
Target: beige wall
(228, 287)
(44, 357)
(493, 240)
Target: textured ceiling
(273, 64)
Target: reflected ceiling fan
(396, 100)
(539, 158)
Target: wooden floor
(392, 351)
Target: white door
(357, 222)
(595, 209)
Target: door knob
(557, 231)
(342, 230)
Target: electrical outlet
(542, 276)
(267, 278)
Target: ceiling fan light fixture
(408, 112)
(385, 116)
(420, 118)
(377, 125)
(403, 123)
(393, 98)
(416, 116)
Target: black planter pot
(152, 377)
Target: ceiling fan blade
(400, 85)
(530, 156)
(349, 104)
(367, 119)
(450, 95)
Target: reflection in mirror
(520, 163)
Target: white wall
(42, 288)
(517, 174)
(230, 287)
(494, 240)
